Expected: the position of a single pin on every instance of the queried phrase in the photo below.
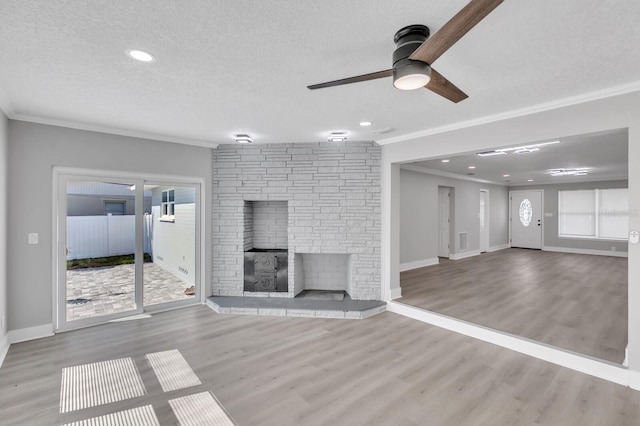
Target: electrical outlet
(33, 238)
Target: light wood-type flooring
(572, 301)
(385, 370)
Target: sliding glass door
(124, 246)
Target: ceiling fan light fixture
(412, 75)
(242, 138)
(337, 137)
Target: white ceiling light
(337, 137)
(490, 153)
(413, 75)
(365, 123)
(242, 138)
(505, 175)
(525, 149)
(580, 171)
(445, 161)
(472, 167)
(529, 180)
(141, 55)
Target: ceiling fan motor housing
(407, 40)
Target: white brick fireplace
(332, 196)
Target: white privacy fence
(102, 236)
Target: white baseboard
(30, 333)
(419, 264)
(497, 248)
(586, 251)
(464, 254)
(601, 369)
(396, 293)
(626, 357)
(4, 348)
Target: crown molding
(559, 103)
(111, 130)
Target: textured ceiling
(605, 154)
(243, 66)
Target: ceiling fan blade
(453, 30)
(443, 87)
(356, 79)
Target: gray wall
(419, 214)
(333, 195)
(33, 150)
(3, 232)
(551, 238)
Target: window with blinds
(594, 213)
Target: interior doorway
(484, 220)
(124, 246)
(444, 221)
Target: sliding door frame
(59, 203)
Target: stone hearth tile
(300, 313)
(272, 312)
(373, 311)
(243, 311)
(329, 314)
(353, 315)
(283, 295)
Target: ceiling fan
(415, 52)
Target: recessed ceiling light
(337, 137)
(445, 161)
(242, 138)
(365, 123)
(505, 175)
(472, 167)
(141, 55)
(529, 180)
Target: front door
(526, 219)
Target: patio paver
(101, 291)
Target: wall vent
(463, 241)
